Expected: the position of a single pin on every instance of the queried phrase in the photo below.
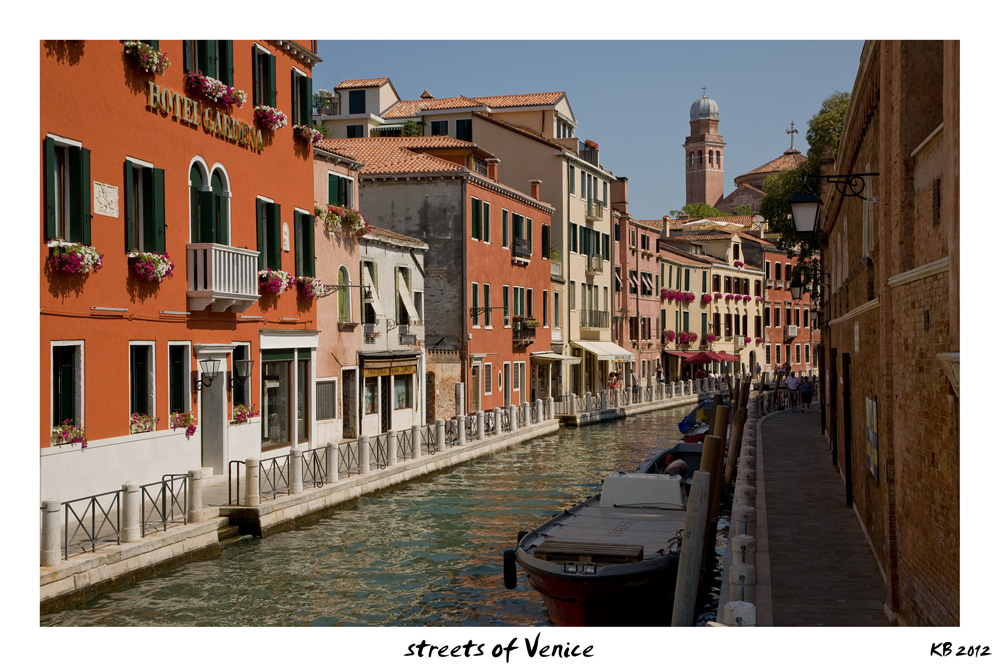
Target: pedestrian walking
(635, 386)
(793, 391)
(806, 391)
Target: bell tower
(703, 154)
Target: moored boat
(612, 559)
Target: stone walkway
(819, 565)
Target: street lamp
(805, 205)
(241, 371)
(209, 371)
(796, 288)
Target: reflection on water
(428, 553)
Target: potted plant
(274, 281)
(152, 267)
(214, 89)
(706, 299)
(185, 419)
(243, 413)
(307, 133)
(269, 118)
(311, 287)
(74, 258)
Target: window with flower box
(340, 190)
(213, 57)
(305, 244)
(67, 190)
(145, 226)
(67, 382)
(264, 89)
(141, 379)
(302, 98)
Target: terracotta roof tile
(361, 83)
(389, 235)
(397, 155)
(411, 108)
(522, 100)
(787, 160)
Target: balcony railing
(521, 249)
(595, 319)
(595, 264)
(524, 330)
(595, 210)
(221, 277)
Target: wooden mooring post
(692, 544)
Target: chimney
(492, 169)
(619, 194)
(535, 187)
(665, 232)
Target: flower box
(152, 267)
(140, 423)
(738, 264)
(243, 413)
(214, 89)
(74, 258)
(274, 281)
(148, 58)
(185, 419)
(307, 133)
(706, 299)
(590, 143)
(66, 434)
(311, 287)
(337, 217)
(269, 118)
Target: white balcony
(791, 331)
(595, 264)
(221, 277)
(595, 210)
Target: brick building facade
(890, 341)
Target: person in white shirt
(793, 391)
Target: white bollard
(253, 482)
(51, 551)
(131, 527)
(364, 455)
(195, 495)
(332, 463)
(742, 583)
(744, 549)
(416, 439)
(480, 425)
(295, 470)
(497, 421)
(461, 429)
(739, 615)
(539, 411)
(392, 447)
(439, 433)
(512, 418)
(550, 408)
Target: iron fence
(429, 439)
(505, 421)
(533, 412)
(378, 448)
(404, 442)
(450, 432)
(240, 465)
(349, 461)
(314, 467)
(471, 427)
(489, 423)
(274, 476)
(164, 503)
(94, 519)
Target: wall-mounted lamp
(805, 205)
(241, 371)
(209, 371)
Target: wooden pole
(716, 402)
(711, 462)
(692, 543)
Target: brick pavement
(815, 559)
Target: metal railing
(505, 421)
(489, 423)
(349, 461)
(428, 439)
(471, 427)
(164, 503)
(274, 476)
(404, 444)
(450, 432)
(314, 467)
(595, 319)
(94, 519)
(533, 412)
(378, 448)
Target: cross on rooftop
(792, 132)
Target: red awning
(725, 356)
(678, 353)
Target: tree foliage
(698, 210)
(411, 129)
(825, 126)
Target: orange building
(169, 166)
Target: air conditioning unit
(739, 342)
(791, 331)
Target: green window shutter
(333, 189)
(226, 61)
(486, 221)
(704, 325)
(257, 92)
(545, 241)
(475, 305)
(505, 228)
(260, 234)
(148, 211)
(222, 218)
(607, 246)
(155, 43)
(299, 244)
(704, 281)
(50, 188)
(310, 235)
(175, 369)
(208, 58)
(343, 192)
(208, 222)
(305, 105)
(188, 55)
(272, 82)
(529, 225)
(475, 218)
(274, 240)
(79, 195)
(130, 241)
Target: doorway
(474, 389)
(349, 385)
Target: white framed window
(488, 378)
(178, 377)
(142, 378)
(326, 399)
(767, 354)
(516, 379)
(67, 382)
(340, 189)
(798, 353)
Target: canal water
(427, 553)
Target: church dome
(705, 108)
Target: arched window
(343, 295)
(220, 205)
(196, 180)
(691, 160)
(209, 205)
(701, 159)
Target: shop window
(67, 191)
(302, 384)
(276, 392)
(402, 387)
(371, 396)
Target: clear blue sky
(631, 97)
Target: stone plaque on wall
(105, 200)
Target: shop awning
(604, 350)
(553, 357)
(678, 353)
(725, 356)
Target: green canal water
(427, 553)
